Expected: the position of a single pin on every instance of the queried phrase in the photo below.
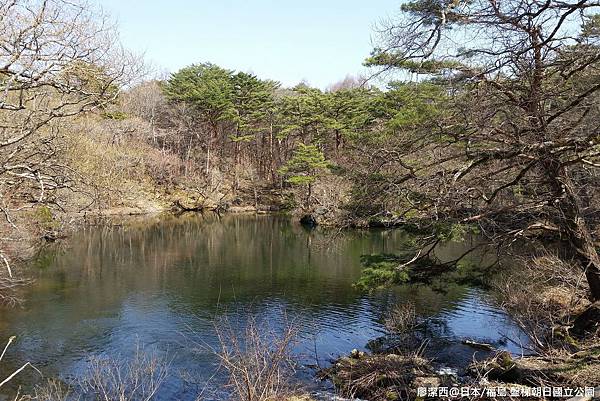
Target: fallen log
(481, 346)
(178, 205)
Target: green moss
(506, 361)
(43, 217)
(44, 214)
(115, 115)
(566, 337)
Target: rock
(588, 322)
(53, 236)
(427, 381)
(446, 371)
(500, 367)
(356, 354)
(321, 210)
(308, 220)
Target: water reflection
(161, 283)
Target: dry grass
(258, 361)
(119, 380)
(559, 369)
(53, 390)
(543, 297)
(117, 166)
(380, 377)
(391, 375)
(579, 370)
(110, 167)
(107, 379)
(402, 319)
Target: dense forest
(487, 123)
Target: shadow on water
(160, 283)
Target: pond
(160, 284)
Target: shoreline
(499, 370)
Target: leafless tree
(257, 360)
(349, 82)
(58, 59)
(146, 101)
(115, 379)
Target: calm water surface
(162, 283)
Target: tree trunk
(573, 226)
(188, 156)
(271, 154)
(208, 163)
(584, 251)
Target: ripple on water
(162, 287)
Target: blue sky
(320, 41)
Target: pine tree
(208, 89)
(304, 167)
